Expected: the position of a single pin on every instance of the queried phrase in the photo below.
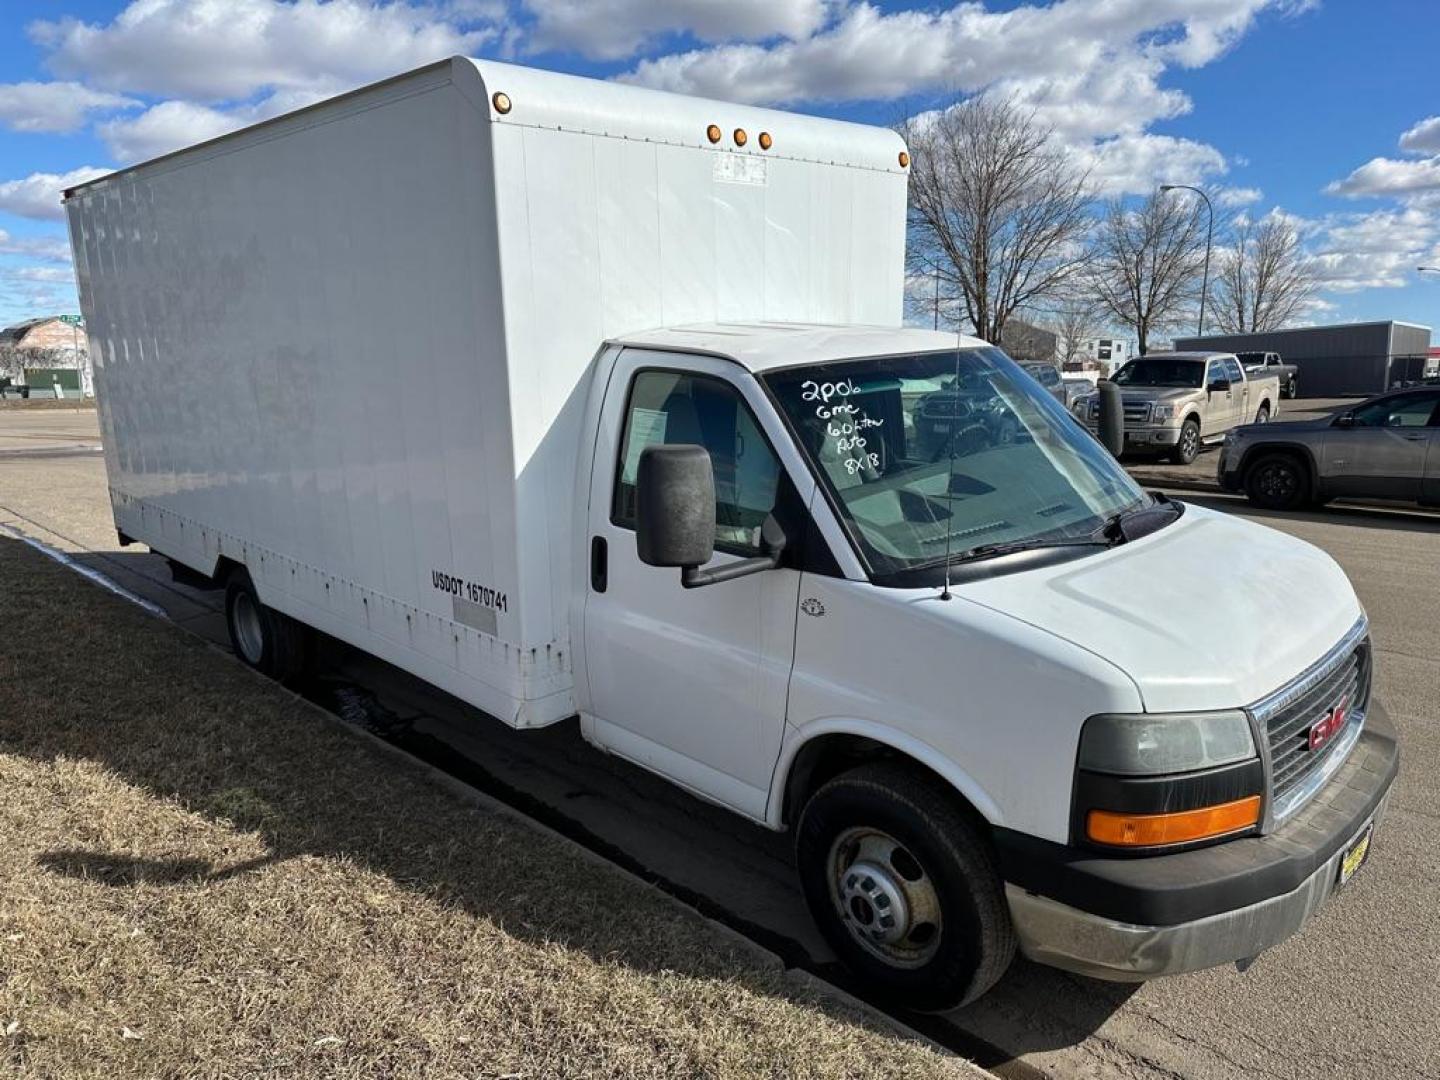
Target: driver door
(1220, 405)
(690, 683)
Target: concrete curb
(879, 1020)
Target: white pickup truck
(574, 398)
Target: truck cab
(937, 659)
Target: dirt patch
(203, 875)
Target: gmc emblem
(1328, 726)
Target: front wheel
(1188, 445)
(1277, 482)
(902, 883)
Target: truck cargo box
(348, 348)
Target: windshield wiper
(1010, 547)
(1139, 521)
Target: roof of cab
(765, 346)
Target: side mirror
(675, 506)
(1219, 385)
(1345, 420)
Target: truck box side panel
(302, 368)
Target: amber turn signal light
(740, 136)
(1182, 827)
(904, 160)
(501, 101)
(713, 133)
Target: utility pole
(1209, 235)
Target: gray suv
(1384, 448)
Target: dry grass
(203, 876)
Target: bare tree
(1145, 263)
(1074, 323)
(1265, 277)
(997, 210)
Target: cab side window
(1233, 372)
(1404, 410)
(669, 408)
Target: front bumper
(1140, 437)
(1131, 919)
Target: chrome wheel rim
(884, 897)
(1189, 442)
(249, 632)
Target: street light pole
(1428, 269)
(1209, 235)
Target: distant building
(46, 342)
(1102, 354)
(45, 334)
(1022, 341)
(1334, 361)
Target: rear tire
(1277, 482)
(1188, 445)
(888, 842)
(1263, 416)
(1290, 389)
(267, 640)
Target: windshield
(1252, 359)
(883, 434)
(1161, 372)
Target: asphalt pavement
(1354, 995)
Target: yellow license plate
(1355, 856)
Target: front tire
(1188, 445)
(1277, 482)
(902, 882)
(270, 642)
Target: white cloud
(1423, 138)
(38, 195)
(1379, 249)
(1390, 176)
(615, 29)
(1135, 164)
(54, 106)
(225, 50)
(870, 54)
(1231, 197)
(172, 125)
(54, 249)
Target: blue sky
(1312, 109)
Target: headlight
(1155, 781)
(1156, 744)
(1162, 412)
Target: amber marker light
(713, 133)
(765, 141)
(740, 137)
(904, 160)
(1185, 826)
(501, 101)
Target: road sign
(73, 320)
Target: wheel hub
(884, 897)
(875, 902)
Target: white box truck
(576, 398)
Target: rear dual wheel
(265, 639)
(901, 880)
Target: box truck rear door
(689, 682)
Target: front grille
(1137, 412)
(1339, 681)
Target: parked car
(1048, 376)
(1384, 448)
(1000, 700)
(1270, 363)
(964, 417)
(1177, 401)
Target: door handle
(599, 564)
(1417, 437)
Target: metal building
(1352, 358)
